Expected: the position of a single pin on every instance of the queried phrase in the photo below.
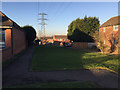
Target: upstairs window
(2, 39)
(115, 28)
(116, 41)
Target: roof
(5, 20)
(112, 21)
(47, 37)
(60, 36)
(8, 22)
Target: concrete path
(18, 73)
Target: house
(59, 38)
(13, 39)
(108, 34)
(56, 39)
(62, 38)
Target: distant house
(56, 39)
(108, 33)
(60, 38)
(13, 39)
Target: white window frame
(104, 42)
(114, 28)
(2, 43)
(104, 29)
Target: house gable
(112, 21)
(108, 32)
(6, 22)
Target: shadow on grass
(68, 60)
(58, 58)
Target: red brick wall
(106, 36)
(82, 45)
(19, 41)
(6, 53)
(7, 38)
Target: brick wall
(8, 38)
(82, 45)
(19, 43)
(106, 36)
(19, 40)
(6, 53)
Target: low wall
(83, 45)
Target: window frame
(116, 41)
(2, 42)
(104, 29)
(104, 41)
(115, 27)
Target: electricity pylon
(42, 32)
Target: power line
(57, 10)
(42, 24)
(62, 10)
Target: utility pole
(42, 32)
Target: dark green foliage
(82, 30)
(30, 34)
(80, 36)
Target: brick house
(56, 39)
(13, 39)
(60, 38)
(108, 33)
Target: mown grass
(57, 58)
(87, 84)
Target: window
(104, 42)
(2, 39)
(116, 41)
(115, 28)
(104, 29)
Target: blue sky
(60, 14)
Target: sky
(60, 14)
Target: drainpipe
(12, 39)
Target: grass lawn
(59, 85)
(57, 58)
